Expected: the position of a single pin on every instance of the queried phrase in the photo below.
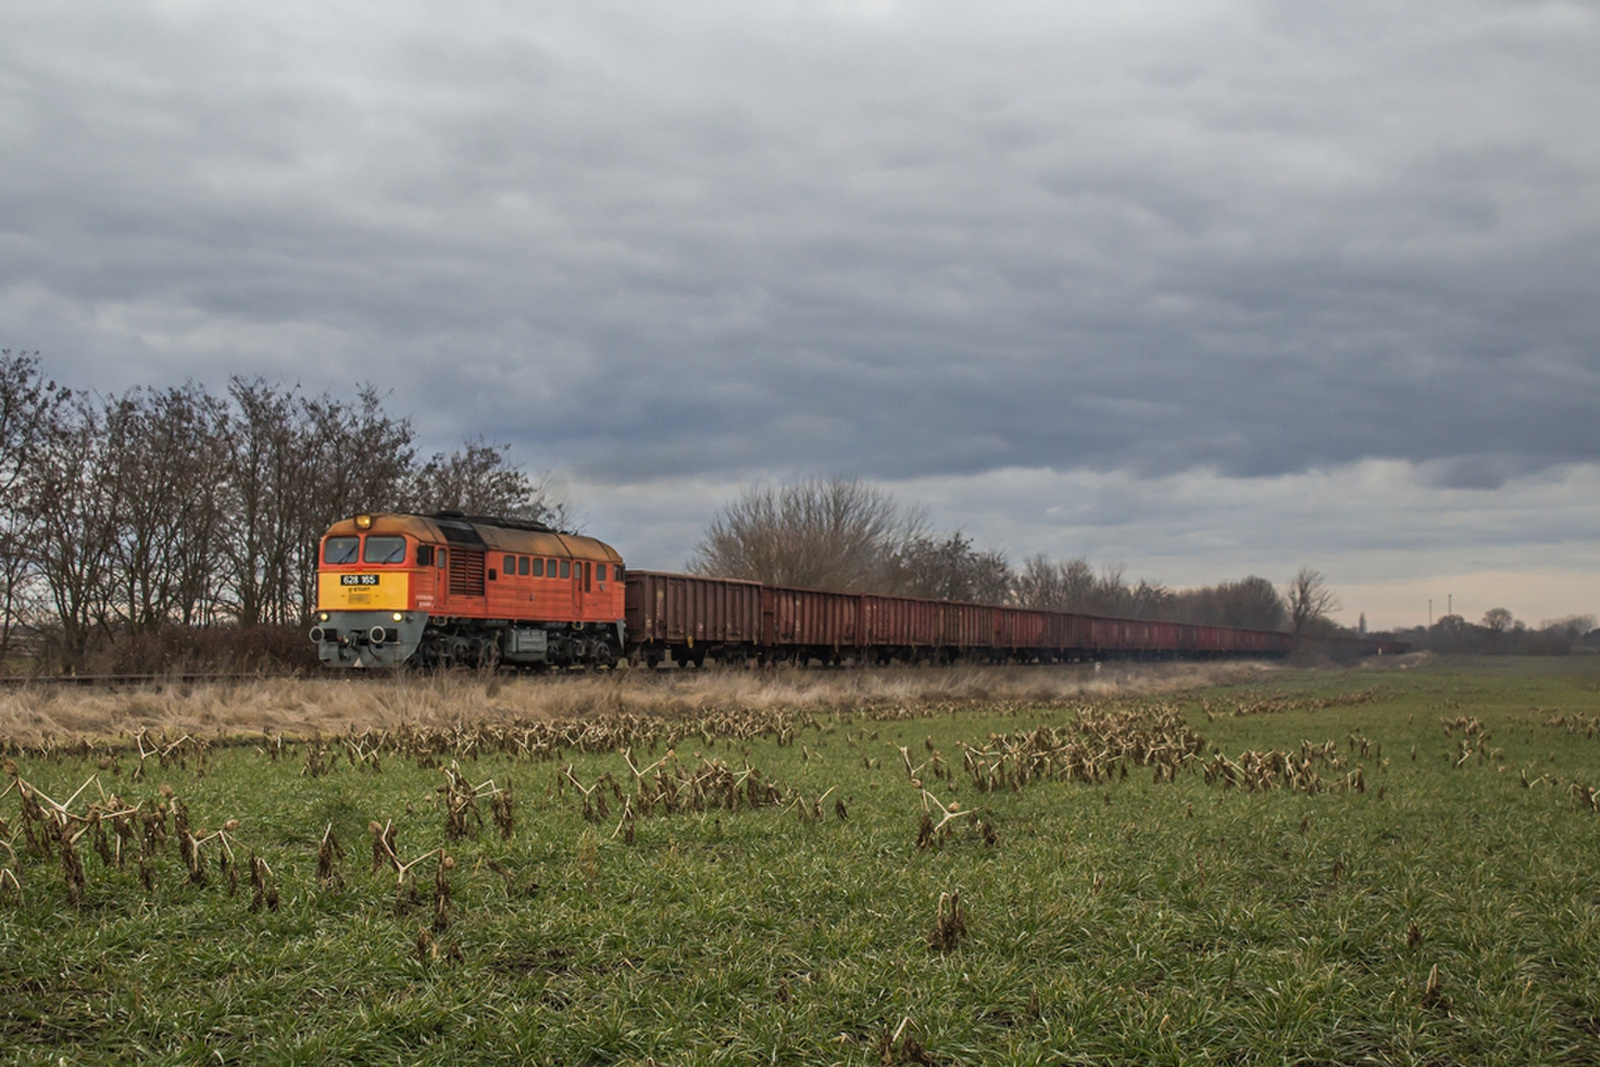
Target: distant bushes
(1501, 635)
(228, 648)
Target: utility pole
(1430, 613)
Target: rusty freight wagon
(687, 617)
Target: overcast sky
(1202, 288)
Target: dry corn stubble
(1166, 889)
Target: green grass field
(1428, 895)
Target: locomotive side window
(424, 555)
(566, 568)
(384, 550)
(522, 565)
(538, 568)
(511, 565)
(588, 575)
(440, 557)
(599, 572)
(550, 571)
(340, 550)
(618, 572)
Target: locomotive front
(449, 589)
(369, 611)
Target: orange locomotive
(449, 588)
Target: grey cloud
(680, 238)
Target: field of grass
(1389, 866)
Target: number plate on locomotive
(358, 579)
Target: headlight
(323, 616)
(399, 616)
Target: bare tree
(1038, 584)
(1080, 589)
(1499, 620)
(839, 534)
(265, 467)
(30, 408)
(1074, 586)
(360, 460)
(166, 460)
(74, 507)
(1252, 603)
(1110, 594)
(295, 465)
(949, 568)
(480, 479)
(1310, 602)
(1150, 600)
(1566, 630)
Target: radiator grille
(466, 573)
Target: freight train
(451, 589)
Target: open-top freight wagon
(449, 588)
(687, 618)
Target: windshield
(385, 550)
(340, 550)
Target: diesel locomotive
(451, 589)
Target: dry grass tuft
(300, 708)
(950, 923)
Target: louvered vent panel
(466, 573)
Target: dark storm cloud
(896, 240)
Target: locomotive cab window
(424, 555)
(439, 557)
(618, 572)
(384, 550)
(340, 550)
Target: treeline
(1500, 634)
(844, 534)
(132, 522)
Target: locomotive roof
(477, 531)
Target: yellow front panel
(388, 591)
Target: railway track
(120, 681)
